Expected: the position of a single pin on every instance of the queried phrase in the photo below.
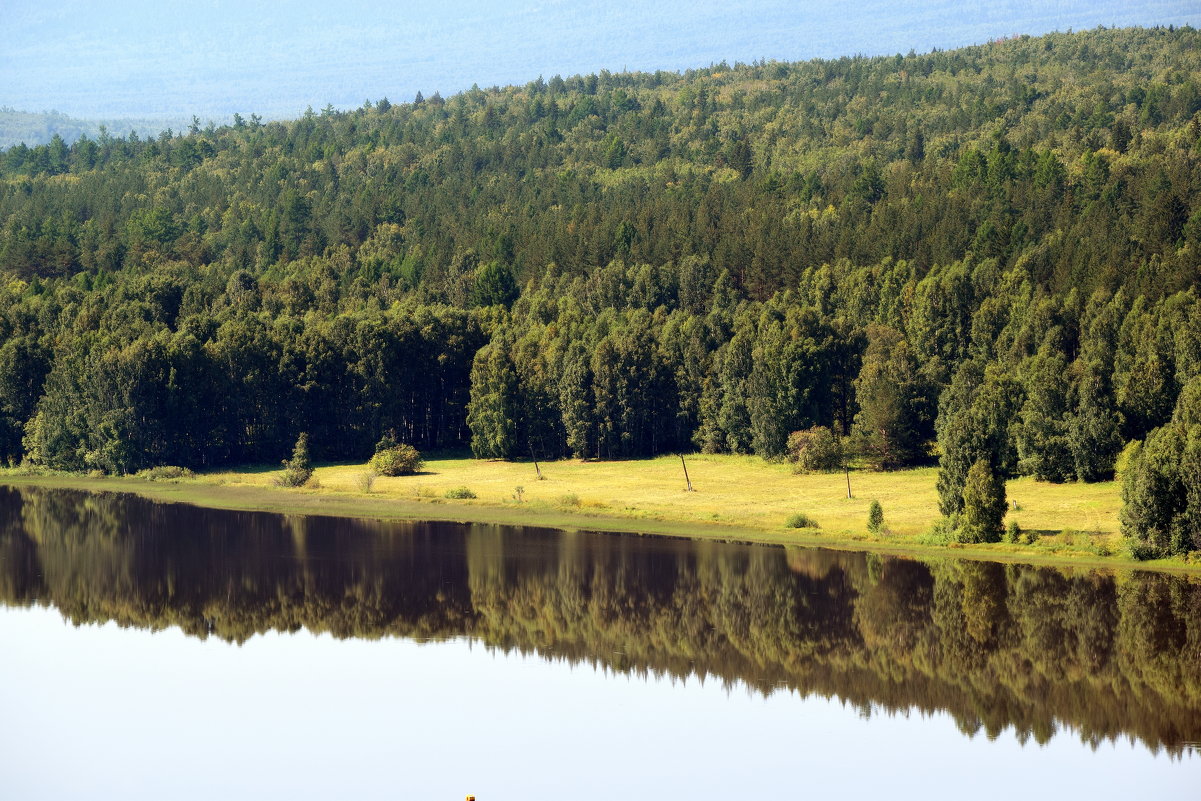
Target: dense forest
(988, 256)
(998, 647)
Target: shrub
(943, 532)
(1029, 537)
(801, 520)
(164, 472)
(460, 494)
(1013, 534)
(365, 480)
(1141, 551)
(29, 468)
(397, 460)
(814, 450)
(570, 499)
(875, 517)
(299, 469)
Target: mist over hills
(38, 128)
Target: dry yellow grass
(734, 490)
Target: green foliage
(1043, 442)
(895, 406)
(1013, 532)
(299, 469)
(1094, 435)
(944, 531)
(460, 494)
(983, 505)
(398, 460)
(1188, 404)
(493, 409)
(875, 517)
(814, 450)
(1127, 457)
(365, 481)
(1161, 488)
(165, 472)
(977, 412)
(494, 286)
(801, 520)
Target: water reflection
(993, 645)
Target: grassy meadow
(739, 491)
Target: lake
(152, 650)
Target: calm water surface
(160, 651)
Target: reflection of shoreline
(256, 498)
(994, 645)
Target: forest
(986, 257)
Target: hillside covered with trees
(994, 249)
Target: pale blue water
(166, 651)
(101, 712)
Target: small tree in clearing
(298, 469)
(875, 517)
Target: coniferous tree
(983, 504)
(875, 517)
(976, 415)
(299, 469)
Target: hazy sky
(213, 57)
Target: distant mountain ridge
(39, 127)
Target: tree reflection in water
(1102, 654)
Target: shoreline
(204, 491)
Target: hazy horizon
(212, 59)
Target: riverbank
(735, 498)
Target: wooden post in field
(537, 469)
(848, 472)
(687, 480)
